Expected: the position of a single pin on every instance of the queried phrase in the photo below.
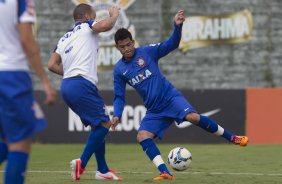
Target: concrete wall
(256, 63)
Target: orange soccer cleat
(240, 140)
(164, 176)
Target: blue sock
(100, 158)
(95, 140)
(227, 135)
(16, 167)
(152, 151)
(3, 152)
(213, 127)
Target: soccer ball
(179, 158)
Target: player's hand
(179, 17)
(115, 120)
(114, 11)
(50, 92)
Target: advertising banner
(202, 31)
(227, 107)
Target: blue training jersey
(144, 75)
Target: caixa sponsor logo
(130, 121)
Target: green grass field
(220, 163)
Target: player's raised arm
(107, 23)
(179, 17)
(173, 41)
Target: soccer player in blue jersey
(165, 104)
(20, 115)
(75, 58)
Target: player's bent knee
(142, 135)
(22, 146)
(139, 138)
(193, 118)
(106, 124)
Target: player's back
(12, 12)
(78, 49)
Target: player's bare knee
(142, 135)
(22, 146)
(106, 124)
(139, 137)
(193, 117)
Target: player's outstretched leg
(152, 151)
(213, 127)
(95, 140)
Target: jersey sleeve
(56, 50)
(119, 93)
(26, 11)
(91, 23)
(162, 49)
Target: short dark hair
(80, 10)
(122, 34)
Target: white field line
(192, 173)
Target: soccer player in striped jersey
(165, 104)
(20, 115)
(75, 58)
